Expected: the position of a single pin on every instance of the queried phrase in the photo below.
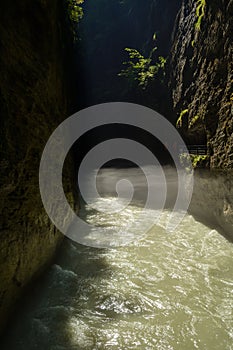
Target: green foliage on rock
(198, 161)
(194, 120)
(180, 120)
(141, 70)
(75, 13)
(200, 13)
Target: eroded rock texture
(202, 77)
(32, 102)
(212, 199)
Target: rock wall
(212, 199)
(201, 78)
(33, 100)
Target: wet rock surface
(32, 102)
(202, 77)
(212, 199)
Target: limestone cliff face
(202, 76)
(32, 103)
(212, 199)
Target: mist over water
(163, 291)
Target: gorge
(47, 76)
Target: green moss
(198, 161)
(194, 120)
(200, 13)
(180, 120)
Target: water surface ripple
(165, 291)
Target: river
(164, 291)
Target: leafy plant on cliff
(75, 13)
(141, 70)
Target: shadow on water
(61, 301)
(42, 320)
(55, 308)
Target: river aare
(164, 291)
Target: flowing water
(164, 291)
